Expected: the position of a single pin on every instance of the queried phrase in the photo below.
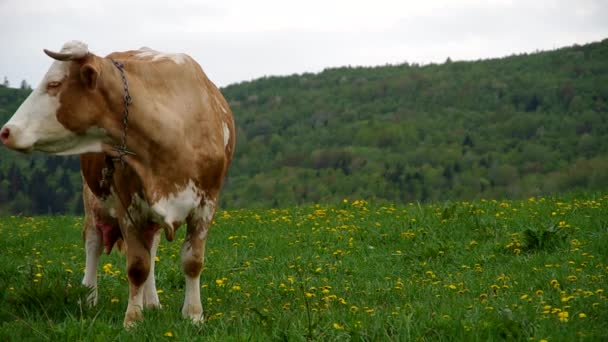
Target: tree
(25, 85)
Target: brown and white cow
(180, 135)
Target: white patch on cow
(192, 301)
(150, 295)
(145, 52)
(175, 207)
(35, 120)
(207, 211)
(76, 48)
(34, 126)
(93, 246)
(226, 134)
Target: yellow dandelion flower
(567, 299)
(539, 292)
(157, 259)
(337, 326)
(115, 300)
(563, 316)
(354, 308)
(168, 334)
(38, 275)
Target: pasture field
(529, 270)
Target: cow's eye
(53, 85)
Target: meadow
(531, 270)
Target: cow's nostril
(4, 134)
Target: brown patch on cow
(192, 268)
(81, 106)
(148, 233)
(92, 165)
(138, 270)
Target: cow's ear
(89, 75)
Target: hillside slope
(511, 127)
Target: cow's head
(61, 115)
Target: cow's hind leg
(150, 295)
(192, 255)
(93, 245)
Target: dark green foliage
(520, 126)
(551, 237)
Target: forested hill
(518, 126)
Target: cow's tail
(169, 232)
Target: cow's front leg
(192, 255)
(150, 295)
(138, 268)
(93, 245)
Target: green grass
(486, 270)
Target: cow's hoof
(92, 298)
(153, 306)
(151, 301)
(195, 314)
(132, 316)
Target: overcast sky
(238, 40)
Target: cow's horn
(60, 56)
(70, 51)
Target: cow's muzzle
(7, 136)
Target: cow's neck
(155, 140)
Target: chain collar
(108, 171)
(122, 149)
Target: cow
(155, 138)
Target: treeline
(519, 126)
